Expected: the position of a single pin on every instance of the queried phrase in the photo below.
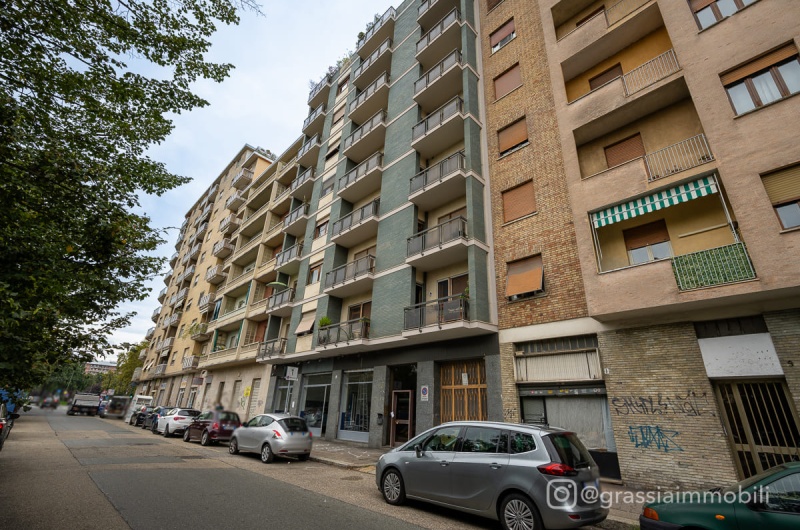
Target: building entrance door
(463, 391)
(401, 417)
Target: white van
(136, 404)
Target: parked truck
(84, 404)
(116, 406)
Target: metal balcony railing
(325, 81)
(651, 72)
(365, 129)
(205, 301)
(270, 348)
(438, 29)
(243, 178)
(314, 115)
(355, 217)
(301, 179)
(434, 174)
(227, 222)
(390, 13)
(190, 363)
(350, 271)
(436, 71)
(278, 299)
(223, 246)
(360, 170)
(155, 314)
(438, 235)
(150, 333)
(296, 214)
(714, 266)
(160, 369)
(437, 117)
(235, 200)
(366, 63)
(622, 9)
(357, 329)
(308, 145)
(137, 374)
(289, 254)
(437, 312)
(678, 157)
(369, 91)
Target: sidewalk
(361, 458)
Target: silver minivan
(525, 476)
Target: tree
(86, 88)
(127, 362)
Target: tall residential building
(645, 180)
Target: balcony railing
(289, 254)
(301, 179)
(715, 266)
(438, 29)
(278, 299)
(296, 214)
(234, 201)
(371, 89)
(438, 235)
(325, 81)
(205, 301)
(199, 332)
(651, 72)
(160, 369)
(308, 145)
(437, 117)
(436, 71)
(390, 13)
(190, 363)
(360, 170)
(434, 174)
(350, 271)
(137, 374)
(155, 314)
(366, 63)
(242, 179)
(222, 248)
(270, 348)
(314, 115)
(437, 312)
(678, 157)
(162, 295)
(357, 329)
(365, 129)
(229, 223)
(353, 218)
(622, 9)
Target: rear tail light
(177, 418)
(215, 426)
(310, 434)
(557, 470)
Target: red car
(212, 426)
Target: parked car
(175, 421)
(115, 407)
(49, 403)
(524, 475)
(87, 404)
(137, 402)
(6, 423)
(768, 500)
(273, 435)
(212, 426)
(151, 421)
(137, 417)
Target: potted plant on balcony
(323, 337)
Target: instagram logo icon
(562, 494)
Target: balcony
(319, 93)
(431, 11)
(215, 275)
(379, 61)
(362, 180)
(168, 277)
(442, 38)
(160, 369)
(349, 333)
(174, 259)
(242, 179)
(173, 300)
(440, 129)
(155, 315)
(438, 247)
(190, 363)
(203, 215)
(229, 224)
(357, 226)
(143, 355)
(307, 156)
(184, 225)
(352, 278)
(173, 320)
(137, 374)
(651, 72)
(679, 157)
(162, 295)
(367, 139)
(194, 252)
(201, 230)
(440, 183)
(199, 332)
(315, 121)
(380, 29)
(288, 261)
(280, 304)
(212, 192)
(223, 248)
(282, 199)
(370, 100)
(269, 349)
(188, 274)
(441, 319)
(150, 333)
(185, 259)
(166, 344)
(235, 201)
(712, 267)
(295, 223)
(439, 84)
(302, 186)
(181, 296)
(206, 302)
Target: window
(342, 85)
(507, 81)
(306, 324)
(624, 151)
(518, 202)
(332, 152)
(512, 137)
(784, 494)
(338, 114)
(769, 78)
(648, 242)
(605, 76)
(783, 190)
(327, 186)
(709, 12)
(502, 36)
(522, 442)
(362, 310)
(202, 257)
(525, 278)
(314, 273)
(188, 305)
(444, 439)
(484, 440)
(321, 229)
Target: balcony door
(450, 303)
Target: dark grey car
(522, 475)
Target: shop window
(502, 36)
(709, 12)
(769, 78)
(507, 81)
(518, 202)
(783, 189)
(513, 137)
(647, 243)
(525, 278)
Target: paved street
(60, 471)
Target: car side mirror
(418, 450)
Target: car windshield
(228, 416)
(188, 412)
(566, 448)
(294, 425)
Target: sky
(263, 103)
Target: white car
(175, 421)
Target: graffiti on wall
(690, 404)
(654, 437)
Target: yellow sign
(247, 392)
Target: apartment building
(202, 334)
(645, 179)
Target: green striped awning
(657, 201)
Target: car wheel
(154, 428)
(517, 512)
(205, 439)
(392, 487)
(233, 447)
(303, 458)
(186, 437)
(166, 431)
(266, 454)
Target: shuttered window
(524, 277)
(623, 151)
(783, 189)
(604, 77)
(502, 35)
(512, 136)
(507, 81)
(769, 78)
(306, 323)
(709, 12)
(338, 114)
(644, 235)
(492, 3)
(518, 202)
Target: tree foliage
(86, 87)
(120, 380)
